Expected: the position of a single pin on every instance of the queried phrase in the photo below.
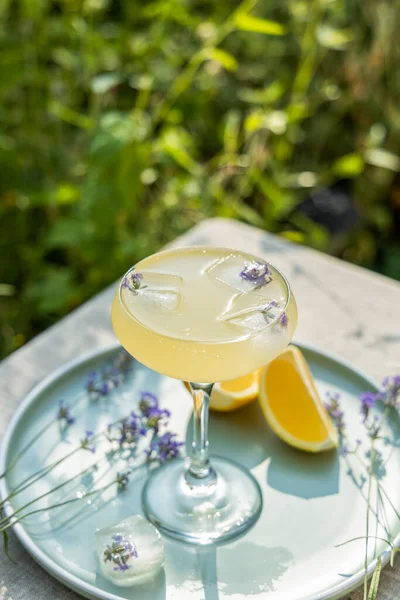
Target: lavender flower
(64, 415)
(100, 383)
(104, 388)
(133, 281)
(120, 552)
(122, 480)
(268, 316)
(123, 362)
(148, 402)
(87, 440)
(150, 409)
(283, 320)
(368, 401)
(390, 394)
(164, 448)
(91, 381)
(256, 272)
(131, 429)
(332, 405)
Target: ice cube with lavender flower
(151, 291)
(130, 552)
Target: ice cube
(158, 291)
(227, 270)
(159, 299)
(162, 281)
(130, 552)
(244, 301)
(254, 321)
(251, 311)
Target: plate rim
(89, 590)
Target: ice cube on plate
(130, 552)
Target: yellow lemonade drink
(204, 314)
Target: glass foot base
(202, 514)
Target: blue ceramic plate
(311, 503)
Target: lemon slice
(292, 406)
(233, 394)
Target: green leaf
(70, 116)
(297, 237)
(68, 232)
(268, 95)
(382, 158)
(67, 193)
(52, 291)
(373, 588)
(177, 143)
(246, 22)
(349, 165)
(231, 132)
(246, 213)
(225, 59)
(337, 39)
(6, 289)
(6, 551)
(254, 121)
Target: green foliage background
(125, 123)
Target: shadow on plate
(244, 436)
(239, 568)
(152, 590)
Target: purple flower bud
(256, 272)
(132, 281)
(64, 415)
(85, 443)
(368, 399)
(119, 552)
(283, 320)
(104, 388)
(164, 448)
(148, 402)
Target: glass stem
(200, 471)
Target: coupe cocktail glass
(203, 314)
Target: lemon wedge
(231, 395)
(292, 406)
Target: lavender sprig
(335, 412)
(150, 408)
(164, 448)
(257, 272)
(120, 552)
(390, 393)
(389, 397)
(102, 382)
(123, 480)
(368, 401)
(64, 414)
(87, 442)
(133, 281)
(144, 425)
